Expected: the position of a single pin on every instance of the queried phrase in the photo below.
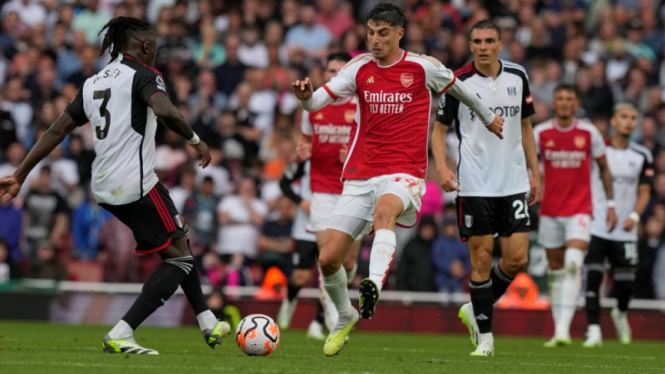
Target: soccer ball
(257, 335)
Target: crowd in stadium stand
(228, 66)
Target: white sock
(121, 330)
(336, 287)
(350, 274)
(207, 320)
(556, 285)
(570, 291)
(383, 252)
(329, 311)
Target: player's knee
(329, 263)
(384, 216)
(482, 262)
(349, 262)
(515, 265)
(301, 277)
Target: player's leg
(334, 249)
(475, 216)
(624, 259)
(351, 261)
(514, 258)
(304, 258)
(595, 269)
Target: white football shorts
(321, 209)
(360, 196)
(555, 232)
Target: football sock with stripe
(500, 282)
(594, 279)
(350, 274)
(624, 281)
(570, 290)
(482, 299)
(292, 291)
(383, 252)
(556, 283)
(159, 287)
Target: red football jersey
(566, 155)
(330, 128)
(394, 105)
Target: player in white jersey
(632, 170)
(122, 104)
(492, 176)
(385, 170)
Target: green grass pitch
(34, 348)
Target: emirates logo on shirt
(406, 79)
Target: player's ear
(400, 33)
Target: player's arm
(292, 174)
(529, 145)
(342, 85)
(10, 186)
(446, 114)
(171, 117)
(606, 177)
(304, 147)
(643, 194)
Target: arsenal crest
(579, 141)
(349, 115)
(468, 221)
(406, 79)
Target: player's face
(332, 69)
(624, 121)
(565, 103)
(485, 46)
(383, 39)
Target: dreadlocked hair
(118, 31)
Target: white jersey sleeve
(305, 124)
(437, 77)
(597, 143)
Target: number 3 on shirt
(105, 95)
(521, 209)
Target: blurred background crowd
(228, 65)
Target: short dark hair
(339, 56)
(387, 13)
(486, 25)
(567, 87)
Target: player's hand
(305, 205)
(534, 194)
(343, 152)
(202, 150)
(628, 224)
(496, 126)
(9, 188)
(449, 180)
(611, 220)
(303, 89)
(304, 150)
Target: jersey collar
(473, 66)
(561, 129)
(394, 63)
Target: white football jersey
(630, 168)
(488, 166)
(115, 101)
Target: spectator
(11, 222)
(634, 41)
(7, 129)
(201, 216)
(30, 12)
(219, 174)
(88, 58)
(20, 111)
(8, 269)
(9, 35)
(87, 220)
(90, 21)
(47, 215)
(333, 18)
(415, 270)
(252, 52)
(46, 264)
(231, 72)
(82, 157)
(596, 95)
(275, 243)
(208, 53)
(308, 36)
(180, 193)
(240, 216)
(207, 101)
(68, 62)
(451, 259)
(117, 241)
(64, 173)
